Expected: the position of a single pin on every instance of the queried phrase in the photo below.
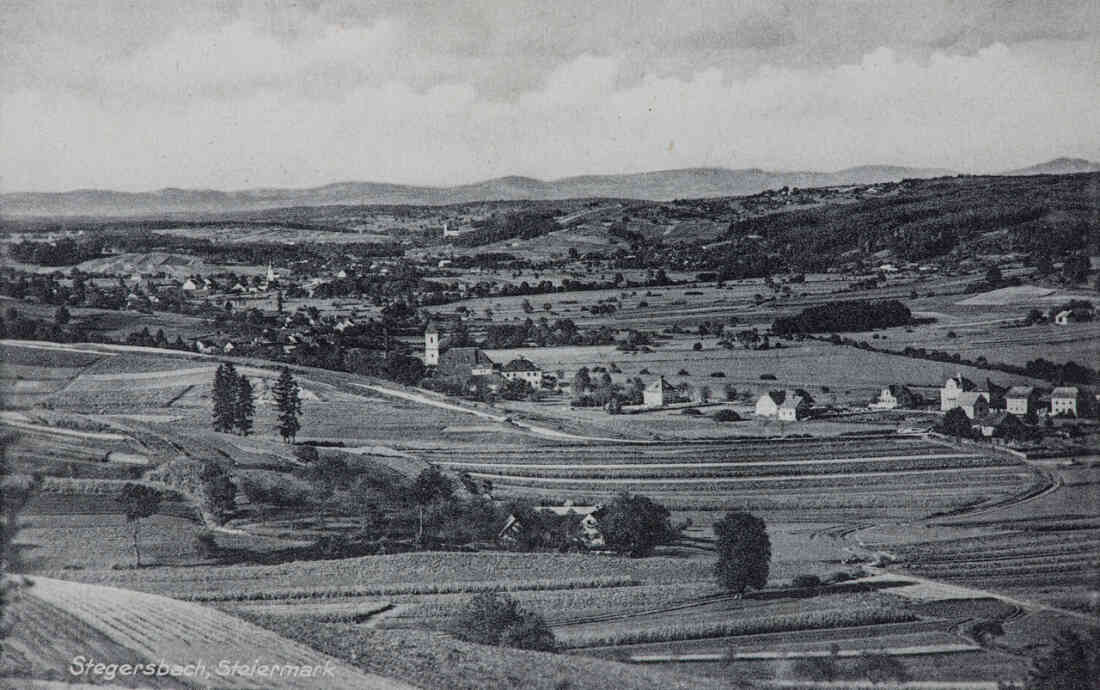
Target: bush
(306, 453)
(697, 347)
(497, 619)
(726, 416)
(806, 582)
(206, 543)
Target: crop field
(814, 479)
(152, 628)
(1049, 545)
(849, 373)
(78, 523)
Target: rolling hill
(658, 185)
(1059, 166)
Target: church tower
(431, 345)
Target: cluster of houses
(995, 411)
(467, 363)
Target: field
(150, 628)
(918, 536)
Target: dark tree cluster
(63, 252)
(234, 406)
(845, 316)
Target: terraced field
(152, 629)
(886, 476)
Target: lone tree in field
(289, 404)
(497, 619)
(635, 525)
(244, 406)
(225, 397)
(429, 486)
(744, 552)
(138, 501)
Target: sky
(144, 94)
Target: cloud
(239, 104)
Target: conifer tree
(289, 404)
(245, 407)
(225, 395)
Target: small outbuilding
(659, 393)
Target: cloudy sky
(143, 94)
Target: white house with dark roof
(793, 408)
(1020, 400)
(952, 388)
(973, 403)
(1065, 400)
(523, 369)
(771, 404)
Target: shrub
(497, 619)
(726, 416)
(306, 453)
(206, 543)
(697, 347)
(806, 582)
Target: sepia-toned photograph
(503, 344)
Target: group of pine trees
(234, 404)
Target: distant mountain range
(1059, 166)
(660, 185)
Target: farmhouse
(952, 389)
(770, 404)
(792, 409)
(659, 393)
(894, 396)
(588, 528)
(1021, 400)
(1066, 400)
(523, 369)
(973, 403)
